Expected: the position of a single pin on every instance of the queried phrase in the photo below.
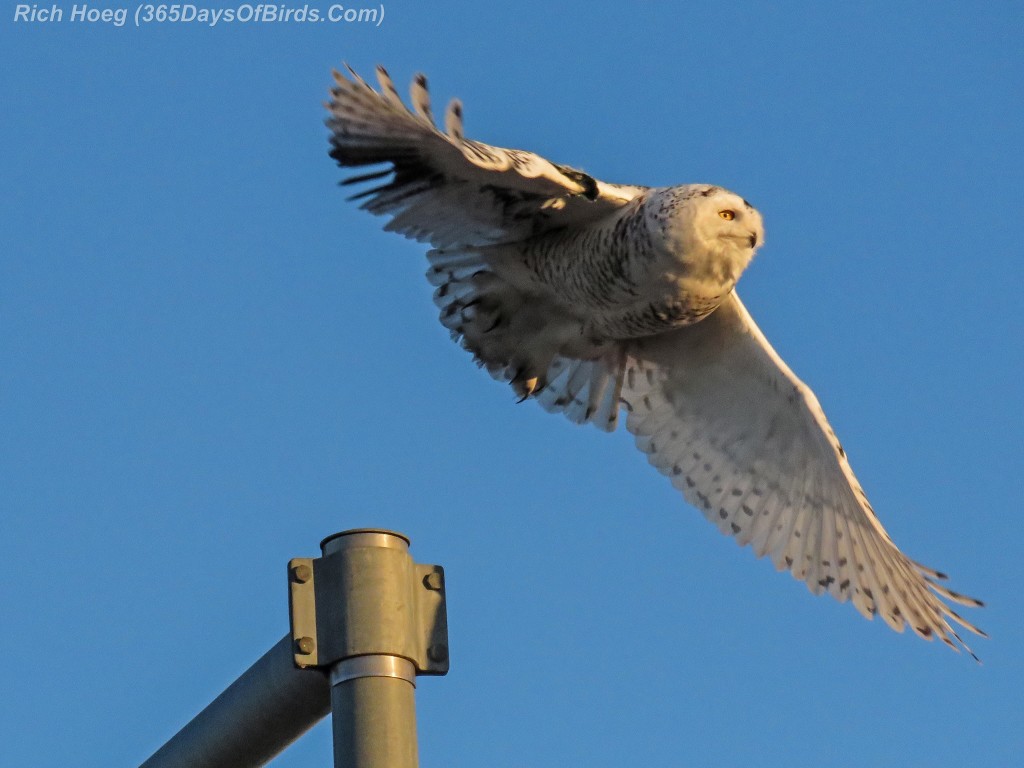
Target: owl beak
(748, 238)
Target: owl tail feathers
(526, 340)
(585, 390)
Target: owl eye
(727, 214)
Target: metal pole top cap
(364, 537)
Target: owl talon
(524, 387)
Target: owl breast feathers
(594, 298)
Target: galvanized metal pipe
(254, 719)
(372, 695)
(374, 720)
(373, 617)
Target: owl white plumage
(592, 297)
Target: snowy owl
(591, 297)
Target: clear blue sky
(209, 361)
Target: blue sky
(209, 361)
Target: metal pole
(254, 719)
(370, 617)
(372, 702)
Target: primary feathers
(593, 298)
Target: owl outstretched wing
(717, 410)
(712, 404)
(446, 189)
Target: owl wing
(719, 412)
(448, 190)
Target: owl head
(707, 229)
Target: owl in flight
(592, 298)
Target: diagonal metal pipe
(271, 705)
